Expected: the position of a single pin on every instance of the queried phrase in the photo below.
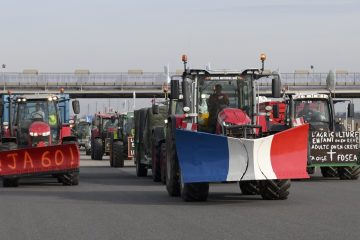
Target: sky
(117, 35)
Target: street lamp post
(3, 66)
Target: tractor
(82, 130)
(100, 134)
(333, 149)
(149, 136)
(38, 142)
(121, 140)
(219, 136)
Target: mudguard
(207, 157)
(39, 160)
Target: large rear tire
(172, 165)
(274, 189)
(98, 149)
(70, 179)
(141, 170)
(249, 187)
(329, 172)
(155, 162)
(118, 155)
(349, 173)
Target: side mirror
(155, 109)
(351, 111)
(276, 111)
(76, 106)
(175, 89)
(1, 108)
(276, 86)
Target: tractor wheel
(117, 155)
(172, 165)
(249, 187)
(98, 149)
(349, 173)
(310, 170)
(10, 182)
(70, 179)
(92, 150)
(163, 163)
(274, 189)
(155, 162)
(329, 172)
(194, 192)
(141, 170)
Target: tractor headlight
(46, 133)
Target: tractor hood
(39, 128)
(233, 116)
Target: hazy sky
(117, 35)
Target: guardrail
(148, 79)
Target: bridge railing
(123, 79)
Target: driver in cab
(216, 102)
(38, 113)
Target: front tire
(98, 149)
(349, 173)
(249, 187)
(329, 172)
(118, 155)
(172, 165)
(194, 192)
(155, 161)
(10, 182)
(70, 179)
(274, 189)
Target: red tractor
(103, 128)
(220, 136)
(38, 143)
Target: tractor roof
(37, 96)
(228, 73)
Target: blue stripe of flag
(202, 157)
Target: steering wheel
(36, 115)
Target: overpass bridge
(150, 84)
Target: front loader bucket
(39, 160)
(207, 157)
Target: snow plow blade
(207, 157)
(39, 160)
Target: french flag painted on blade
(207, 157)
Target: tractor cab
(37, 121)
(315, 109)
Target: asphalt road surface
(115, 204)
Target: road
(115, 204)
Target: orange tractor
(38, 142)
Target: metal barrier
(149, 79)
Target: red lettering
(45, 160)
(59, 157)
(14, 158)
(28, 160)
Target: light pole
(3, 66)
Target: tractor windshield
(314, 111)
(36, 110)
(215, 95)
